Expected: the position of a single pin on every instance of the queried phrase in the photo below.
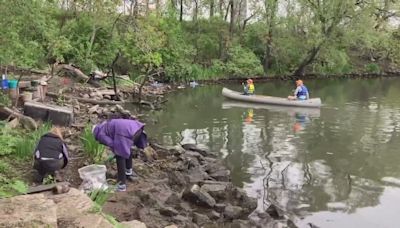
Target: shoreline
(187, 186)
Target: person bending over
(120, 135)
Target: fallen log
(26, 121)
(86, 100)
(151, 105)
(57, 188)
(75, 71)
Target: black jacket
(50, 146)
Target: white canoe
(290, 110)
(310, 103)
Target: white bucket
(94, 177)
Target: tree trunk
(233, 17)
(271, 12)
(157, 6)
(136, 8)
(113, 77)
(147, 7)
(212, 8)
(181, 11)
(195, 10)
(312, 54)
(221, 8)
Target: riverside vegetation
(186, 40)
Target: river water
(338, 166)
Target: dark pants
(47, 167)
(122, 165)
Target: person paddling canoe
(301, 92)
(249, 87)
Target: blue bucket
(4, 84)
(12, 84)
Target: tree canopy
(203, 39)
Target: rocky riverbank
(186, 187)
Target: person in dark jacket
(120, 135)
(50, 154)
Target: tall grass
(92, 148)
(25, 146)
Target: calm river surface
(338, 166)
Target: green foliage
(99, 196)
(93, 149)
(372, 68)
(112, 220)
(25, 146)
(4, 100)
(49, 179)
(242, 62)
(8, 140)
(9, 188)
(89, 34)
(4, 167)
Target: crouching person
(50, 154)
(120, 135)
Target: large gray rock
(88, 220)
(168, 211)
(240, 224)
(196, 175)
(248, 203)
(233, 212)
(200, 219)
(216, 190)
(55, 114)
(72, 204)
(199, 197)
(28, 211)
(133, 224)
(221, 175)
(177, 179)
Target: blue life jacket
(303, 92)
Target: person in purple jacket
(120, 135)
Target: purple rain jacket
(118, 135)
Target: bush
(372, 68)
(93, 149)
(8, 141)
(242, 62)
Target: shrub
(373, 68)
(242, 62)
(93, 149)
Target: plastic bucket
(4, 84)
(93, 176)
(27, 96)
(12, 84)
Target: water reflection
(325, 165)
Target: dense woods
(202, 39)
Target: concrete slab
(55, 114)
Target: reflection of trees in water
(337, 158)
